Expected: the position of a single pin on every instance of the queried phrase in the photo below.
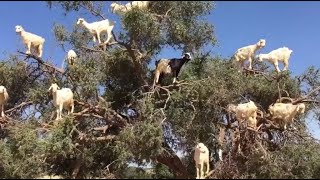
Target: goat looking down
(3, 98)
(98, 27)
(62, 99)
(281, 54)
(170, 66)
(284, 113)
(247, 53)
(201, 157)
(31, 41)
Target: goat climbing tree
(119, 119)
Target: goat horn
(284, 98)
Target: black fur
(175, 65)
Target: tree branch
(306, 96)
(19, 106)
(42, 62)
(102, 113)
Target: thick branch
(169, 158)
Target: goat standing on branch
(170, 66)
(98, 27)
(62, 98)
(285, 113)
(3, 99)
(247, 53)
(281, 54)
(201, 157)
(31, 41)
(71, 57)
(246, 111)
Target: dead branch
(103, 129)
(279, 90)
(213, 171)
(267, 76)
(19, 106)
(107, 167)
(306, 96)
(104, 138)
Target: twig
(95, 13)
(110, 164)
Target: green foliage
(100, 139)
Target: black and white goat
(170, 66)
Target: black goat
(170, 66)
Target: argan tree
(119, 119)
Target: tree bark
(169, 158)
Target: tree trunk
(169, 158)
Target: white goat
(201, 157)
(247, 53)
(62, 98)
(246, 111)
(281, 54)
(3, 98)
(285, 112)
(98, 27)
(139, 4)
(71, 57)
(31, 41)
(121, 9)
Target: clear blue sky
(237, 24)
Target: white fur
(71, 57)
(285, 112)
(51, 177)
(121, 9)
(201, 157)
(247, 53)
(31, 41)
(3, 99)
(281, 54)
(246, 111)
(62, 98)
(98, 27)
